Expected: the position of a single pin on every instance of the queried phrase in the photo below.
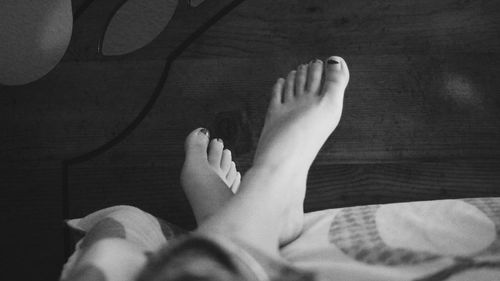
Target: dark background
(421, 116)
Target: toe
(196, 145)
(336, 77)
(314, 76)
(277, 93)
(225, 162)
(215, 152)
(236, 184)
(231, 175)
(300, 79)
(289, 86)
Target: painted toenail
(332, 61)
(205, 132)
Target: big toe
(196, 145)
(336, 77)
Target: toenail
(205, 132)
(219, 140)
(332, 61)
(318, 60)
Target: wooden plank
(154, 186)
(334, 186)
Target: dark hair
(200, 259)
(193, 260)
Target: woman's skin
(265, 209)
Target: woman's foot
(209, 176)
(304, 110)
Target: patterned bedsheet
(430, 240)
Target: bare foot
(267, 212)
(210, 178)
(301, 115)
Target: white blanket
(431, 240)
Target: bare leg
(267, 211)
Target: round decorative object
(34, 36)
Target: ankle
(274, 169)
(281, 186)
